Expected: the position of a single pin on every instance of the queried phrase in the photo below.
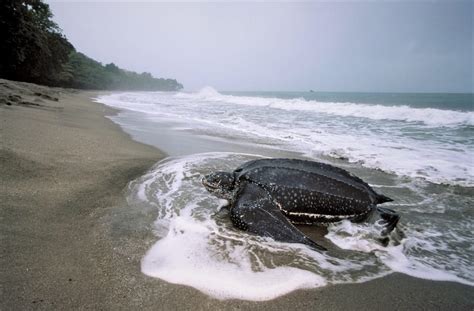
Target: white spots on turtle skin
(303, 207)
(325, 171)
(237, 219)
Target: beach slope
(64, 168)
(70, 240)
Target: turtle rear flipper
(389, 219)
(254, 211)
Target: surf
(226, 263)
(396, 140)
(405, 113)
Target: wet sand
(70, 240)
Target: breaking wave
(395, 139)
(428, 116)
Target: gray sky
(344, 46)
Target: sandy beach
(71, 241)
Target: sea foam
(428, 116)
(197, 245)
(197, 262)
(431, 144)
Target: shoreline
(72, 241)
(64, 169)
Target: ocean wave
(428, 116)
(439, 155)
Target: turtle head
(221, 184)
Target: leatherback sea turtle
(268, 196)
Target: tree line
(33, 49)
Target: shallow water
(431, 143)
(430, 181)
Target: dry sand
(70, 241)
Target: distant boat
(311, 91)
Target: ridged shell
(307, 190)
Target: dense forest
(33, 49)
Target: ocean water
(415, 148)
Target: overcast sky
(345, 46)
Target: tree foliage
(86, 73)
(33, 49)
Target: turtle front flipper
(254, 211)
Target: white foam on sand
(403, 257)
(185, 256)
(197, 245)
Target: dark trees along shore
(33, 49)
